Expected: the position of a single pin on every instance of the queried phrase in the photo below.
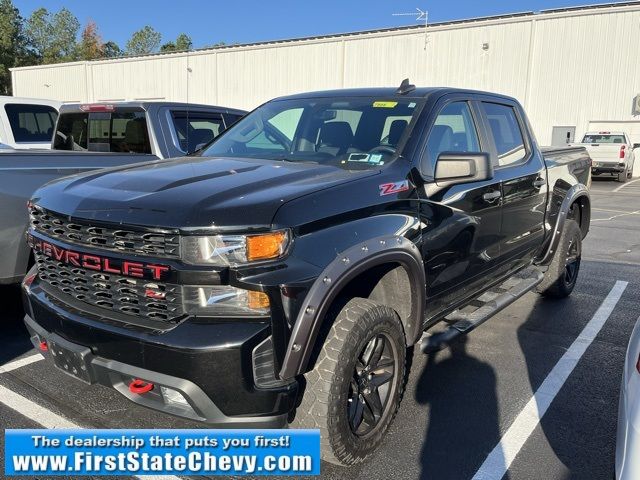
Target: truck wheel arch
(576, 196)
(394, 251)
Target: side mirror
(635, 145)
(453, 168)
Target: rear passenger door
(522, 173)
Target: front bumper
(211, 365)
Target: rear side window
(506, 133)
(453, 131)
(196, 129)
(124, 132)
(31, 123)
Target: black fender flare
(573, 194)
(348, 265)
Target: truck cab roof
(419, 92)
(141, 104)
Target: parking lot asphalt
(460, 403)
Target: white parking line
(499, 460)
(49, 419)
(637, 212)
(21, 362)
(626, 185)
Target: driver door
(461, 241)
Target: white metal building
(573, 69)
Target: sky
(245, 21)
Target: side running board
(481, 309)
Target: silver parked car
(628, 444)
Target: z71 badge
(394, 187)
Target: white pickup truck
(611, 153)
(27, 122)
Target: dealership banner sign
(162, 452)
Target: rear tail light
(622, 151)
(638, 364)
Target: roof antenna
(405, 87)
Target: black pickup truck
(283, 276)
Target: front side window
(31, 123)
(196, 129)
(506, 133)
(124, 132)
(453, 131)
(351, 133)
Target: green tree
(65, 27)
(12, 43)
(182, 43)
(53, 36)
(90, 46)
(146, 40)
(111, 50)
(168, 47)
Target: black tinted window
(124, 132)
(453, 131)
(506, 132)
(196, 129)
(31, 123)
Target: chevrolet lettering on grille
(99, 263)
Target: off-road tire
(557, 283)
(324, 404)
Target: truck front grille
(125, 295)
(53, 225)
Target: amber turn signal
(258, 300)
(266, 246)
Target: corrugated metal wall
(567, 68)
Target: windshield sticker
(374, 158)
(385, 104)
(394, 187)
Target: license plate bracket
(74, 360)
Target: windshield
(603, 138)
(352, 133)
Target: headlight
(226, 250)
(224, 300)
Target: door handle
(492, 196)
(539, 182)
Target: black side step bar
(487, 305)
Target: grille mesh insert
(129, 296)
(56, 226)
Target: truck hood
(223, 193)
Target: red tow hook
(140, 387)
(43, 346)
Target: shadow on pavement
(14, 339)
(460, 392)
